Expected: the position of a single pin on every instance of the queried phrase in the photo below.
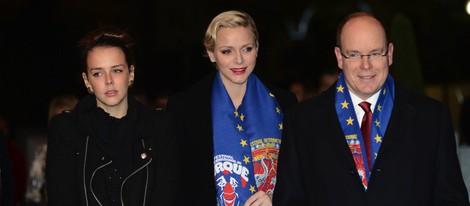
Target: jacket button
(378, 170)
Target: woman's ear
(211, 56)
(87, 83)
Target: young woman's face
(109, 76)
(235, 53)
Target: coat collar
(402, 116)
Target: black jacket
(7, 190)
(192, 110)
(75, 162)
(416, 165)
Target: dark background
(39, 59)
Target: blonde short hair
(228, 19)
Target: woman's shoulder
(156, 119)
(62, 128)
(285, 98)
(159, 126)
(160, 115)
(62, 121)
(196, 96)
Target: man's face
(364, 74)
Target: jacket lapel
(398, 127)
(331, 127)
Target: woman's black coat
(74, 159)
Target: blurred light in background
(468, 7)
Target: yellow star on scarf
(236, 113)
(350, 121)
(242, 117)
(385, 91)
(377, 123)
(379, 108)
(252, 189)
(243, 143)
(378, 138)
(271, 94)
(278, 110)
(240, 128)
(246, 159)
(281, 126)
(340, 88)
(344, 105)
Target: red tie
(365, 129)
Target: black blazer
(416, 165)
(74, 158)
(192, 110)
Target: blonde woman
(229, 123)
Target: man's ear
(339, 57)
(390, 54)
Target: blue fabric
(350, 123)
(246, 141)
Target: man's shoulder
(285, 98)
(415, 99)
(320, 103)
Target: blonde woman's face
(234, 53)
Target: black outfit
(192, 110)
(94, 159)
(416, 165)
(7, 185)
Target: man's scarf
(350, 124)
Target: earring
(90, 90)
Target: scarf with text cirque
(350, 123)
(246, 142)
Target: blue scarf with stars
(246, 141)
(350, 124)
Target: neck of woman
(236, 93)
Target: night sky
(39, 57)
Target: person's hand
(258, 199)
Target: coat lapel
(331, 127)
(398, 127)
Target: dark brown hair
(107, 37)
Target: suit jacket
(77, 165)
(416, 164)
(192, 110)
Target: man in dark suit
(396, 149)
